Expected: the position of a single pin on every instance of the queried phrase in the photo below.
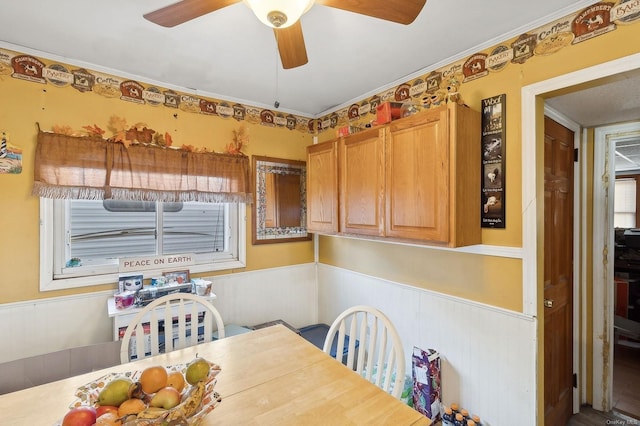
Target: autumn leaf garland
(139, 133)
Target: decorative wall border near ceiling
(584, 25)
(588, 23)
(37, 70)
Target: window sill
(112, 278)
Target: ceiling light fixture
(279, 13)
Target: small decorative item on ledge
(177, 277)
(409, 108)
(125, 299)
(202, 287)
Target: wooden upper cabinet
(417, 177)
(414, 179)
(464, 177)
(322, 187)
(362, 176)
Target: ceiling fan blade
(399, 11)
(186, 10)
(290, 40)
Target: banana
(190, 403)
(135, 391)
(152, 413)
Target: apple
(102, 409)
(166, 398)
(80, 416)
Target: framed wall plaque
(493, 166)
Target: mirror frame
(260, 234)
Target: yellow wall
(487, 279)
(24, 103)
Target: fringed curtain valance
(90, 168)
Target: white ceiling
(612, 100)
(230, 55)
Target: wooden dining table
(270, 376)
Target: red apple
(80, 416)
(102, 409)
(166, 398)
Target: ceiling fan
(284, 17)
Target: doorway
(601, 331)
(618, 390)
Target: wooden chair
(179, 310)
(370, 340)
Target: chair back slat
(374, 349)
(340, 344)
(140, 338)
(208, 327)
(361, 354)
(168, 328)
(351, 347)
(179, 314)
(194, 319)
(154, 333)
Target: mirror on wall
(280, 203)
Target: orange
(131, 406)
(175, 379)
(153, 379)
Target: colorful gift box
(427, 398)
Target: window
(197, 208)
(99, 233)
(624, 206)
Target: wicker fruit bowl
(196, 401)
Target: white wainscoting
(43, 326)
(250, 298)
(488, 354)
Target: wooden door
(362, 183)
(558, 273)
(322, 187)
(417, 185)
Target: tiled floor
(626, 381)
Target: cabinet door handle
(548, 303)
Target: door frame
(605, 139)
(532, 98)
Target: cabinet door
(362, 183)
(322, 187)
(417, 186)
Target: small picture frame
(178, 277)
(129, 283)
